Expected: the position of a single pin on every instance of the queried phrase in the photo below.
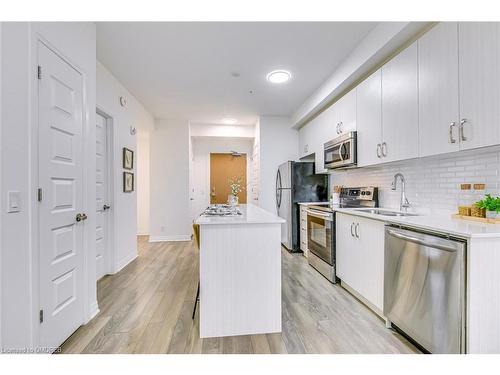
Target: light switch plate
(14, 201)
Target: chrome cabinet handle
(352, 233)
(384, 149)
(450, 133)
(340, 127)
(462, 135)
(379, 150)
(107, 206)
(84, 216)
(356, 227)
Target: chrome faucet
(404, 203)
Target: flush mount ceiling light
(229, 121)
(279, 76)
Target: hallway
(146, 308)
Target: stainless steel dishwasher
(424, 288)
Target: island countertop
(250, 214)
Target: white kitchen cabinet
(303, 230)
(479, 80)
(438, 90)
(344, 111)
(369, 120)
(306, 140)
(360, 256)
(400, 106)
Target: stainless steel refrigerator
(296, 182)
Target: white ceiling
(183, 70)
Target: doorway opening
(104, 257)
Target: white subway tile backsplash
(431, 183)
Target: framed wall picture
(128, 158)
(128, 182)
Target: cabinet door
(369, 120)
(346, 112)
(400, 106)
(305, 140)
(346, 251)
(438, 90)
(370, 234)
(479, 77)
(321, 135)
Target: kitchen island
(240, 273)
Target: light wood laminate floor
(146, 308)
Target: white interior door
(60, 178)
(102, 202)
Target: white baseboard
(179, 237)
(94, 310)
(122, 263)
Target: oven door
(320, 235)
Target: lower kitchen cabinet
(360, 257)
(303, 230)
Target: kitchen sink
(385, 212)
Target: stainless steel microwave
(341, 151)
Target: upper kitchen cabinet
(479, 78)
(400, 106)
(345, 113)
(438, 90)
(306, 141)
(369, 120)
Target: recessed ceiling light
(279, 76)
(229, 121)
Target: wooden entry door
(61, 216)
(222, 168)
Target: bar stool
(196, 231)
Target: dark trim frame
(125, 150)
(124, 184)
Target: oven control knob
(368, 193)
(363, 193)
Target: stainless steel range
(321, 227)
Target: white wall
(202, 148)
(169, 217)
(432, 184)
(216, 130)
(143, 176)
(76, 42)
(278, 143)
(124, 209)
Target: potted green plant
(491, 205)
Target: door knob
(106, 207)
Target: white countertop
(250, 214)
(437, 223)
